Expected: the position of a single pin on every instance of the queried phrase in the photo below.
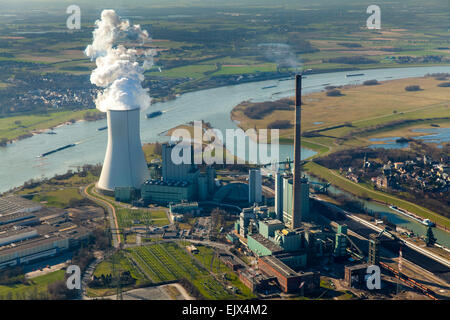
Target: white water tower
(124, 164)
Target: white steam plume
(118, 69)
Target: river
(19, 161)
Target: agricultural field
(168, 262)
(199, 43)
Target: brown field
(362, 105)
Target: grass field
(149, 152)
(58, 198)
(37, 288)
(122, 263)
(13, 127)
(129, 217)
(206, 255)
(61, 194)
(362, 106)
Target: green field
(121, 263)
(58, 198)
(130, 217)
(15, 126)
(36, 289)
(168, 262)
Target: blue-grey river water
(19, 162)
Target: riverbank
(15, 128)
(363, 192)
(331, 124)
(359, 107)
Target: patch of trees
(191, 289)
(12, 276)
(385, 126)
(334, 93)
(373, 82)
(108, 281)
(92, 116)
(75, 203)
(350, 44)
(439, 75)
(58, 291)
(423, 59)
(280, 124)
(351, 60)
(355, 157)
(261, 109)
(83, 258)
(300, 45)
(444, 85)
(316, 133)
(413, 88)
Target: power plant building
(177, 171)
(161, 192)
(279, 195)
(289, 280)
(288, 200)
(267, 228)
(255, 186)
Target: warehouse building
(179, 210)
(289, 280)
(14, 208)
(355, 275)
(30, 232)
(254, 280)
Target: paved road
(112, 215)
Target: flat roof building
(262, 246)
(289, 280)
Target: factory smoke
(120, 70)
(280, 53)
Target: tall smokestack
(297, 196)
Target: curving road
(112, 214)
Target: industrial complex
(274, 235)
(31, 232)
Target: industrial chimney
(124, 164)
(297, 183)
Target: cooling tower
(124, 164)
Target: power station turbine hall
(124, 164)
